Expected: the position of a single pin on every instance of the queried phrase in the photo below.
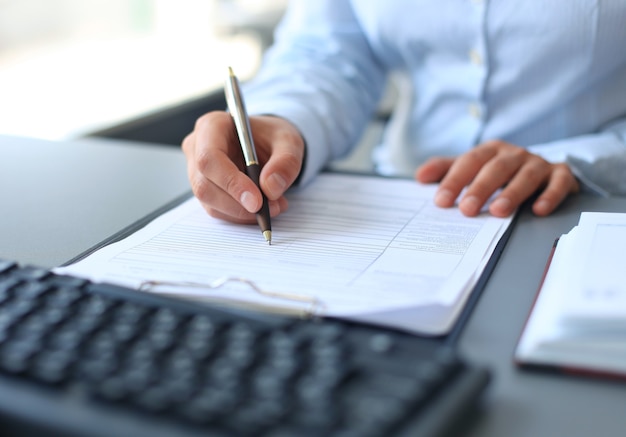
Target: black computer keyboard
(84, 359)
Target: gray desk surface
(532, 403)
(60, 199)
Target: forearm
(320, 76)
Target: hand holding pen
(215, 164)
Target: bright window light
(70, 67)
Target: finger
(531, 176)
(284, 147)
(433, 170)
(214, 200)
(223, 206)
(225, 211)
(498, 171)
(188, 144)
(462, 171)
(275, 209)
(561, 183)
(521, 171)
(217, 158)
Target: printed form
(360, 245)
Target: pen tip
(230, 71)
(268, 237)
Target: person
(507, 98)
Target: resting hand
(215, 165)
(491, 166)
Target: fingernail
(248, 201)
(276, 185)
(470, 205)
(444, 198)
(502, 206)
(274, 208)
(542, 206)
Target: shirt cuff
(596, 160)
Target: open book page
(544, 324)
(359, 244)
(579, 317)
(600, 297)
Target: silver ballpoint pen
(237, 110)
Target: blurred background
(71, 67)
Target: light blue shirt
(546, 75)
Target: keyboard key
(6, 265)
(31, 273)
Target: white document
(579, 317)
(365, 247)
(601, 279)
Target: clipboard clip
(312, 306)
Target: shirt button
(475, 57)
(475, 111)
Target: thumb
(285, 160)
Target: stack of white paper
(579, 318)
(365, 248)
